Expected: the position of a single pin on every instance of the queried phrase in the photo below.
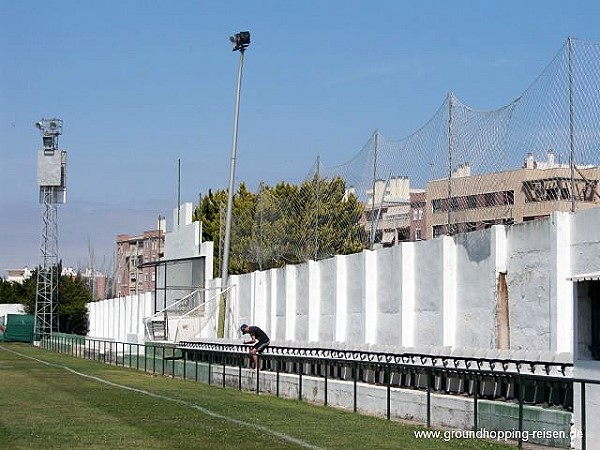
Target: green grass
(51, 407)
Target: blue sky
(141, 84)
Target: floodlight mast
(240, 42)
(52, 165)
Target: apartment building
(394, 212)
(18, 275)
(533, 191)
(132, 276)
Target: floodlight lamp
(49, 126)
(240, 40)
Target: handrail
(203, 305)
(162, 311)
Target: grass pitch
(54, 401)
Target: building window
(439, 230)
(510, 197)
(471, 202)
(418, 234)
(454, 204)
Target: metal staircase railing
(157, 325)
(191, 324)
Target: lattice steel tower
(52, 179)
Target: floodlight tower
(240, 42)
(52, 180)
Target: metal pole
(301, 369)
(429, 383)
(571, 125)
(373, 229)
(475, 406)
(388, 377)
(583, 418)
(317, 177)
(450, 230)
(521, 387)
(325, 383)
(225, 263)
(178, 191)
(354, 392)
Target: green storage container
(18, 328)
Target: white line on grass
(208, 412)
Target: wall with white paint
(120, 319)
(438, 292)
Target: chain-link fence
(465, 169)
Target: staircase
(157, 329)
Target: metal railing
(519, 381)
(191, 324)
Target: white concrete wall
(429, 296)
(436, 292)
(11, 308)
(120, 319)
(441, 292)
(476, 281)
(529, 281)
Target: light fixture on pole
(52, 180)
(240, 42)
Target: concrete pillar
(563, 317)
(272, 290)
(499, 247)
(408, 293)
(499, 253)
(314, 301)
(370, 296)
(261, 304)
(251, 296)
(290, 302)
(112, 319)
(449, 291)
(341, 298)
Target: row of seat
(418, 367)
(518, 360)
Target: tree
(73, 295)
(285, 224)
(20, 293)
(323, 221)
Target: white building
(18, 275)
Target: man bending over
(257, 337)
